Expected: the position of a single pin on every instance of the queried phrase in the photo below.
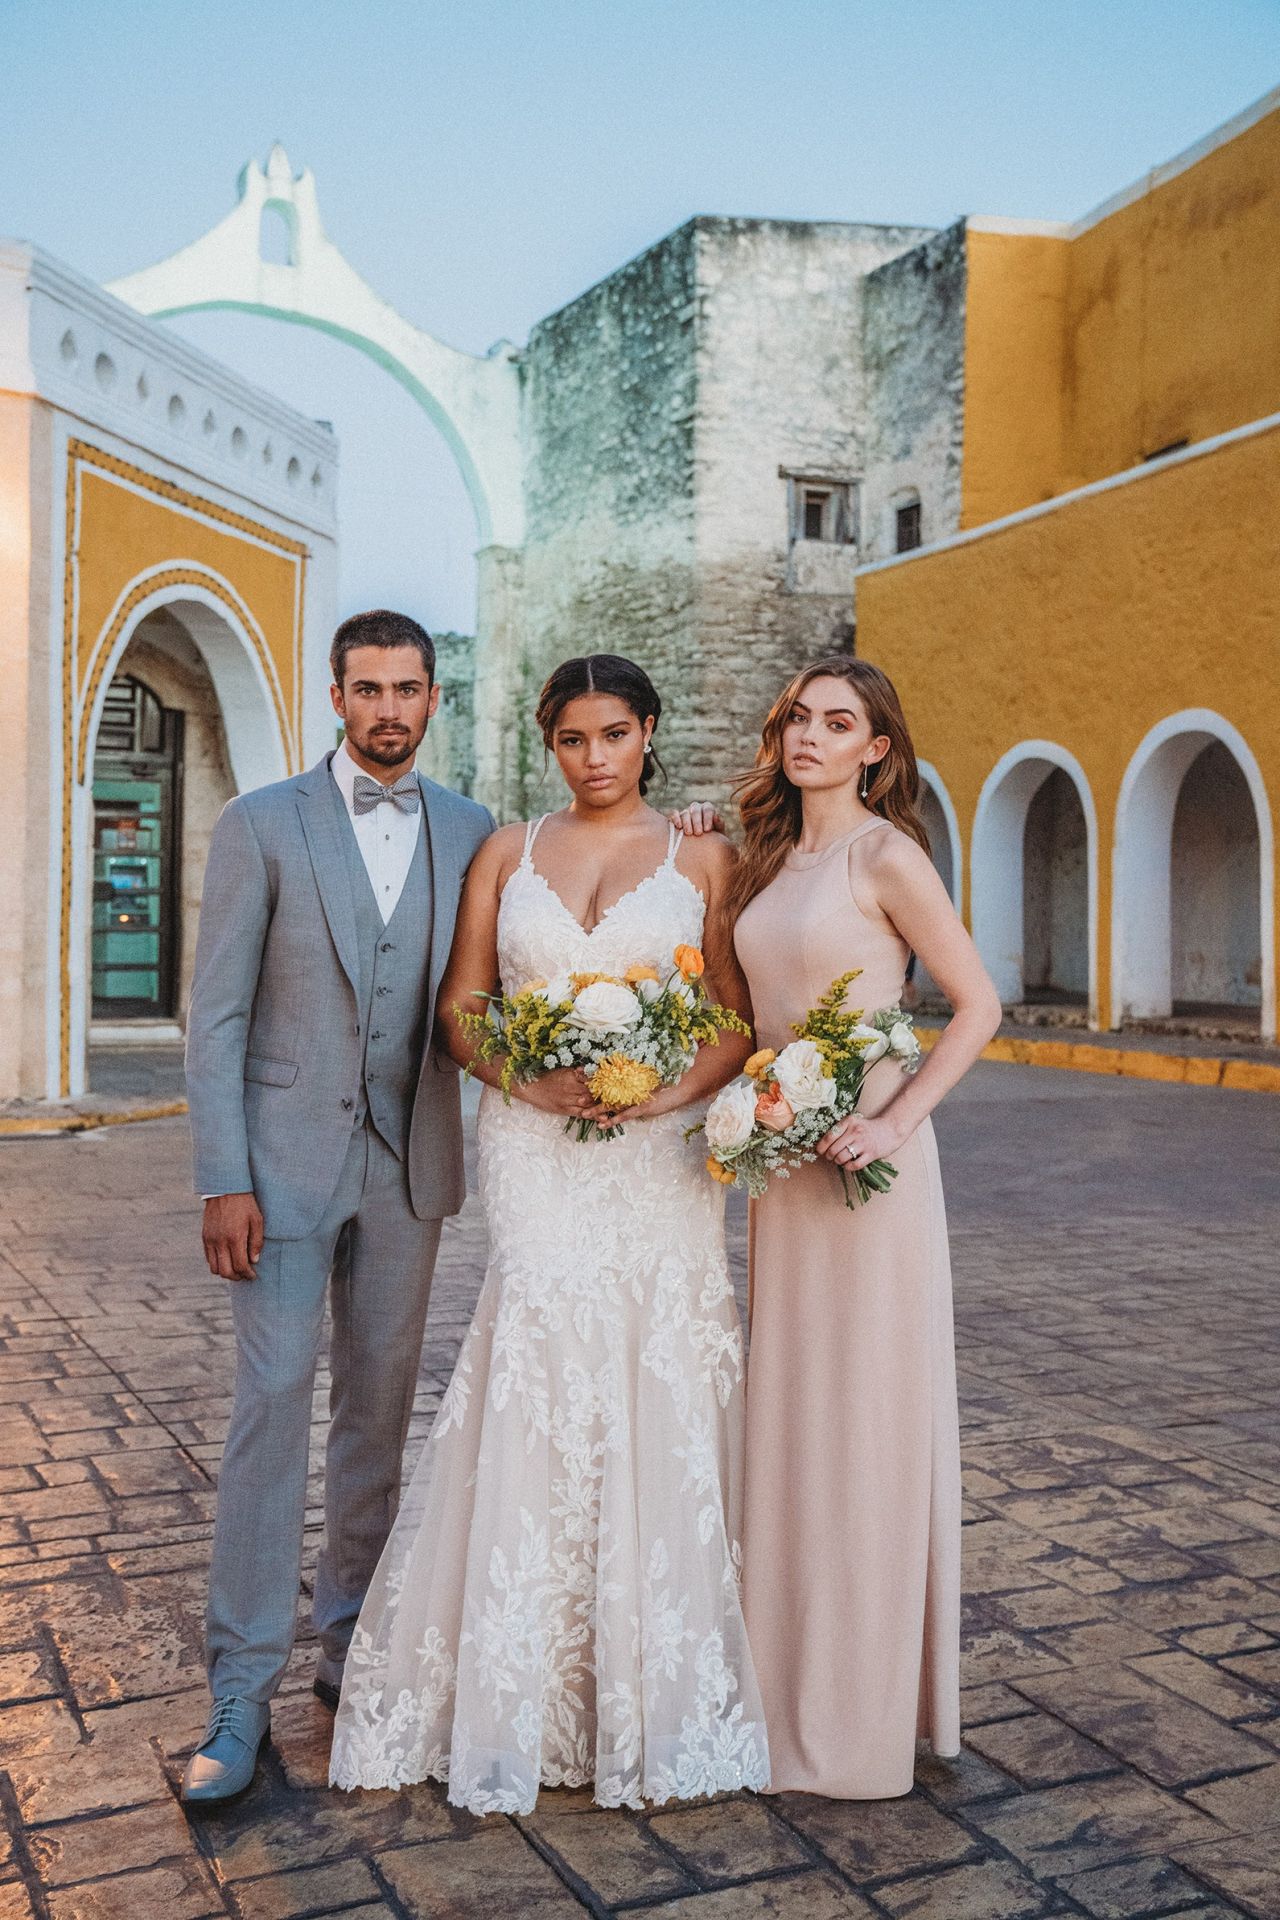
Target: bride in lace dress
(559, 1599)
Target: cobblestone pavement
(1116, 1269)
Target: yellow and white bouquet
(772, 1118)
(630, 1035)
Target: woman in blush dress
(559, 1601)
(852, 1532)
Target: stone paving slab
(1118, 1328)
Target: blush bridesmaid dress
(851, 1541)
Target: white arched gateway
(1034, 881)
(1193, 898)
(473, 400)
(186, 709)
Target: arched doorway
(185, 717)
(1193, 926)
(1034, 878)
(137, 811)
(1055, 895)
(943, 828)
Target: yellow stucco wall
(1160, 322)
(1013, 379)
(129, 524)
(1089, 624)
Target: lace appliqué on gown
(559, 1599)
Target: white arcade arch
(948, 857)
(255, 730)
(997, 880)
(1142, 864)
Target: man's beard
(389, 752)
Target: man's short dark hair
(380, 628)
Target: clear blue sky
(482, 164)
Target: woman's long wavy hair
(770, 805)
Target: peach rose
(773, 1109)
(690, 962)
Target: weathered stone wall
(448, 754)
(663, 410)
(608, 565)
(913, 361)
(781, 386)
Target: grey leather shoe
(327, 1684)
(223, 1764)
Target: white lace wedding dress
(559, 1599)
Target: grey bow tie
(406, 793)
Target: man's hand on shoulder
(697, 818)
(233, 1235)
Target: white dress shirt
(386, 837)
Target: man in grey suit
(328, 1147)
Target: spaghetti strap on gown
(559, 1600)
(851, 1538)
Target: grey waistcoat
(395, 967)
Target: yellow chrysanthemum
(717, 1172)
(758, 1062)
(635, 974)
(577, 981)
(618, 1083)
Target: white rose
(558, 990)
(902, 1041)
(878, 1043)
(801, 1072)
(731, 1116)
(649, 990)
(605, 1008)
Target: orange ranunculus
(773, 1109)
(717, 1172)
(758, 1062)
(690, 962)
(635, 974)
(579, 981)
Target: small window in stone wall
(821, 508)
(907, 533)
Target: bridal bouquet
(771, 1119)
(630, 1035)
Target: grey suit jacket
(272, 1047)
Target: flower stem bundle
(771, 1119)
(629, 1035)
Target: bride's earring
(865, 776)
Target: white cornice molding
(1138, 189)
(1148, 470)
(67, 341)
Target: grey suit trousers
(375, 1259)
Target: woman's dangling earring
(865, 776)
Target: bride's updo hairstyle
(602, 673)
(770, 805)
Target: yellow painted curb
(1128, 1063)
(33, 1123)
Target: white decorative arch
(474, 401)
(932, 779)
(254, 716)
(996, 857)
(254, 723)
(1141, 904)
